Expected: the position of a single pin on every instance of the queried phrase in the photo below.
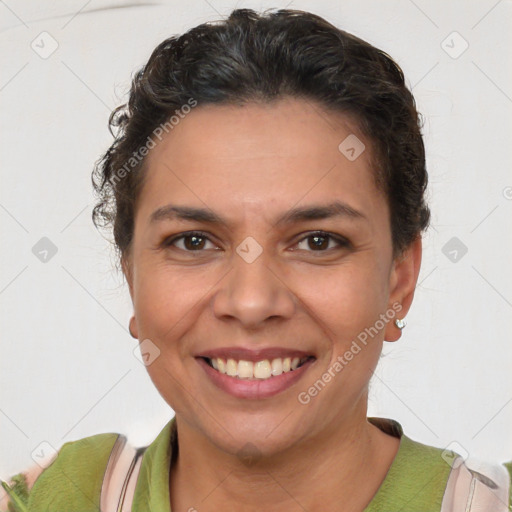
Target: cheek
(350, 310)
(349, 305)
(164, 308)
(163, 300)
(348, 299)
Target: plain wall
(67, 367)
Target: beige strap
(468, 490)
(120, 476)
(129, 491)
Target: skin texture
(251, 164)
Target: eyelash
(342, 242)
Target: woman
(266, 192)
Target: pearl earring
(400, 323)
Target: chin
(254, 438)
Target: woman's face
(261, 284)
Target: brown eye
(190, 242)
(193, 242)
(320, 241)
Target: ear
(126, 265)
(128, 274)
(402, 284)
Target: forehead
(259, 156)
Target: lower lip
(254, 388)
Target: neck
(346, 466)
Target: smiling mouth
(258, 370)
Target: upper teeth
(259, 370)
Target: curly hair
(253, 57)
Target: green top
(415, 481)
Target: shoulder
(479, 485)
(425, 477)
(473, 484)
(468, 484)
(71, 478)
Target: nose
(253, 293)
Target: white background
(67, 368)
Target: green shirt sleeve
(71, 482)
(18, 493)
(508, 465)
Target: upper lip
(254, 355)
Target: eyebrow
(298, 214)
